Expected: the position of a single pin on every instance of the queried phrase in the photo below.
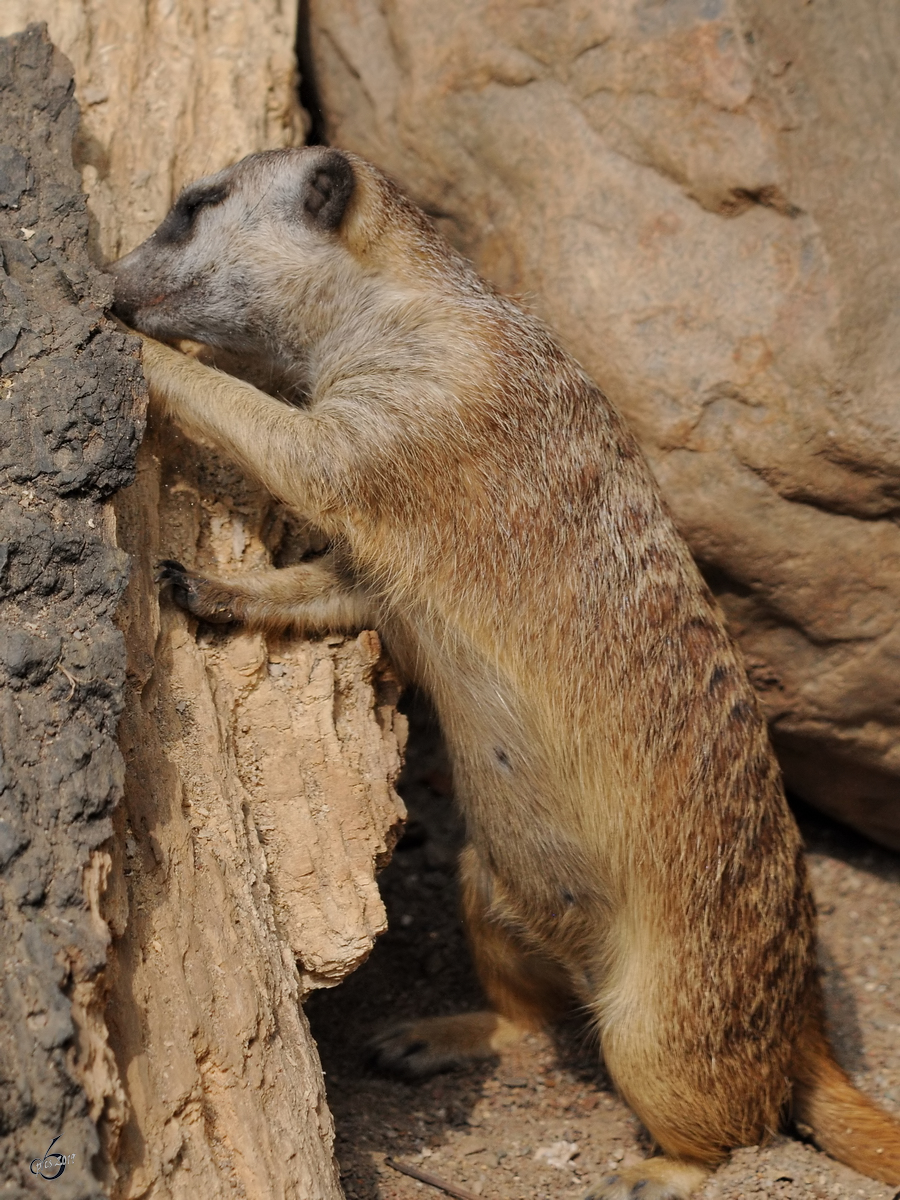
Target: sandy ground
(543, 1122)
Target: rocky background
(700, 196)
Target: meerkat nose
(124, 307)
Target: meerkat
(629, 845)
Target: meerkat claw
(614, 1187)
(398, 1050)
(167, 569)
(654, 1179)
(189, 591)
(179, 580)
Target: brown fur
(630, 848)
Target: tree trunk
(157, 951)
(71, 395)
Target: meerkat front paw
(195, 594)
(654, 1179)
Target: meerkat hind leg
(525, 997)
(309, 597)
(655, 1179)
(526, 990)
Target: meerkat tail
(844, 1123)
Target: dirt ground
(543, 1122)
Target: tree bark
(71, 398)
(164, 1038)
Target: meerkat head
(243, 251)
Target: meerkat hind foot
(654, 1179)
(417, 1049)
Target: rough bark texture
(69, 428)
(258, 776)
(258, 799)
(701, 197)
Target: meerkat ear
(327, 190)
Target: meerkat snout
(205, 272)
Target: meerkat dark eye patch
(328, 190)
(180, 221)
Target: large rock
(701, 197)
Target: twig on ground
(432, 1180)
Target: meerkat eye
(192, 203)
(180, 221)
